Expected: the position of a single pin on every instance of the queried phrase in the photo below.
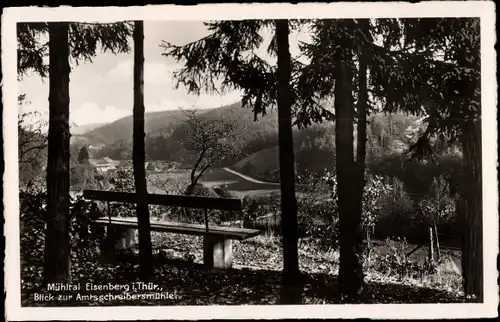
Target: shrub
(197, 216)
(374, 191)
(372, 206)
(258, 206)
(438, 207)
(32, 210)
(319, 221)
(223, 191)
(318, 214)
(84, 238)
(396, 216)
(396, 262)
(86, 176)
(214, 216)
(122, 181)
(262, 212)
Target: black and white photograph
(251, 161)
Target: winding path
(249, 178)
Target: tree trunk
(139, 156)
(361, 127)
(472, 212)
(290, 291)
(436, 236)
(362, 108)
(57, 248)
(431, 245)
(362, 111)
(351, 270)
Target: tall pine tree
(226, 60)
(336, 46)
(57, 250)
(438, 61)
(291, 275)
(79, 41)
(139, 156)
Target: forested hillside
(121, 130)
(255, 141)
(164, 132)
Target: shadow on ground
(191, 284)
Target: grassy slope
(313, 146)
(260, 162)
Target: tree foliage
(227, 59)
(65, 40)
(209, 141)
(31, 133)
(441, 64)
(83, 155)
(32, 144)
(436, 61)
(86, 41)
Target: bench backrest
(167, 200)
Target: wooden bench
(217, 241)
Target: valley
(238, 184)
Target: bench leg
(108, 251)
(217, 252)
(127, 238)
(117, 240)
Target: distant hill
(82, 129)
(256, 141)
(164, 133)
(315, 146)
(164, 122)
(122, 129)
(249, 136)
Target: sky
(102, 91)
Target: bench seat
(183, 228)
(217, 241)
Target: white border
(483, 9)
